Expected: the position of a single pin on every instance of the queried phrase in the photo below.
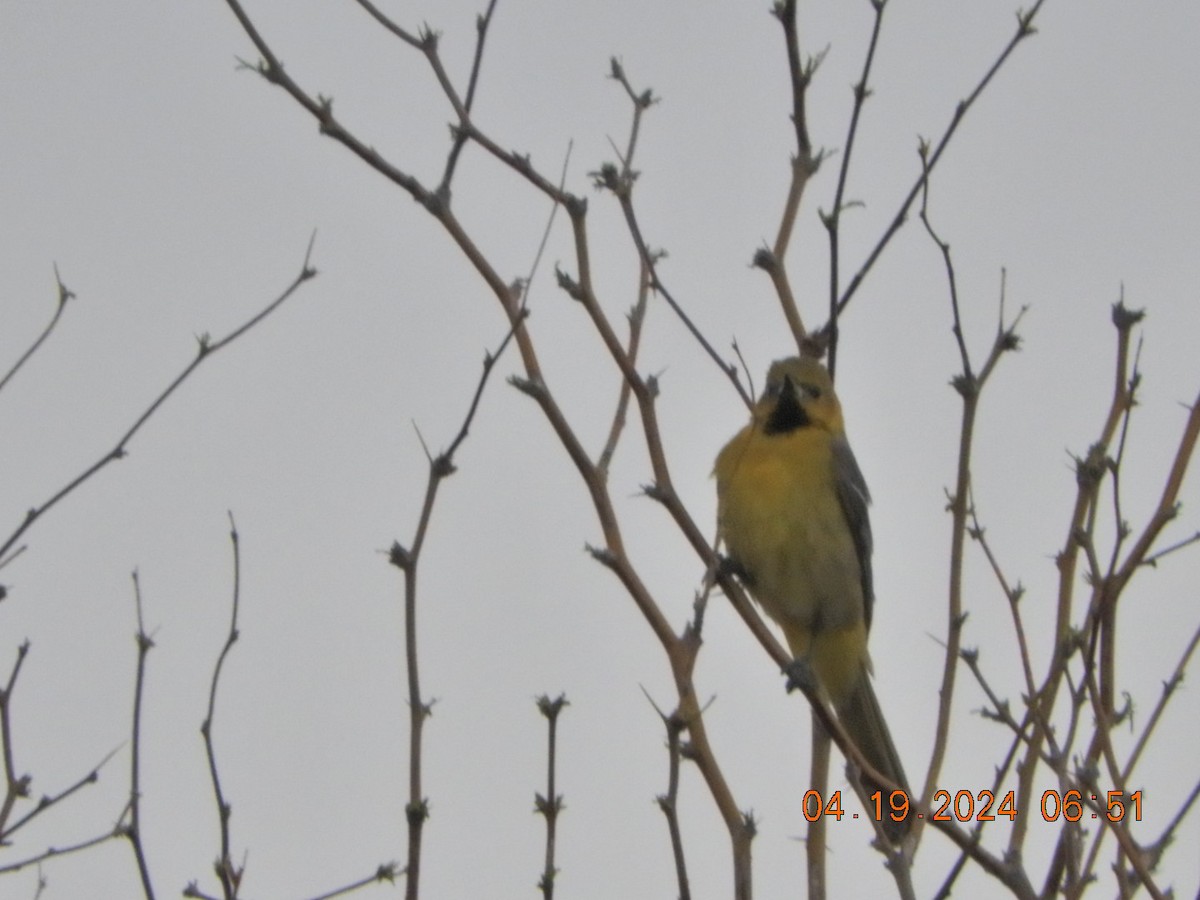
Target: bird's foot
(730, 566)
(800, 675)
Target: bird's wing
(854, 498)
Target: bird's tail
(863, 720)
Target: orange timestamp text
(981, 806)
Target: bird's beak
(788, 413)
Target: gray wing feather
(854, 497)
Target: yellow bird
(792, 508)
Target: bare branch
(15, 787)
(134, 831)
(637, 317)
(206, 349)
(833, 218)
(969, 387)
(1089, 472)
(229, 874)
(407, 559)
(1024, 29)
(386, 872)
(64, 294)
(620, 183)
(669, 802)
(550, 804)
(460, 137)
(56, 852)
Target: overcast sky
(177, 196)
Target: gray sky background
(177, 195)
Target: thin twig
(959, 864)
(1108, 588)
(383, 20)
(1024, 29)
(969, 387)
(1089, 473)
(64, 294)
(669, 802)
(636, 317)
(555, 205)
(1168, 691)
(134, 831)
(48, 801)
(550, 804)
(805, 163)
(1012, 593)
(620, 182)
(205, 350)
(14, 787)
(833, 219)
(416, 808)
(460, 137)
(815, 840)
(641, 102)
(56, 852)
(228, 873)
(386, 872)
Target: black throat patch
(788, 414)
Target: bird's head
(799, 394)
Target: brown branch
(14, 787)
(228, 873)
(205, 350)
(407, 559)
(1089, 472)
(385, 872)
(833, 218)
(804, 165)
(1102, 743)
(681, 652)
(1153, 558)
(1024, 29)
(649, 258)
(976, 833)
(641, 102)
(550, 805)
(1168, 502)
(50, 800)
(620, 182)
(134, 831)
(669, 802)
(460, 138)
(1168, 691)
(379, 17)
(969, 387)
(815, 843)
(1108, 589)
(56, 852)
(773, 265)
(554, 208)
(64, 294)
(636, 317)
(1012, 593)
(1168, 833)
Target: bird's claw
(730, 566)
(800, 675)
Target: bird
(792, 514)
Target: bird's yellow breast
(783, 525)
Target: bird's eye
(812, 390)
